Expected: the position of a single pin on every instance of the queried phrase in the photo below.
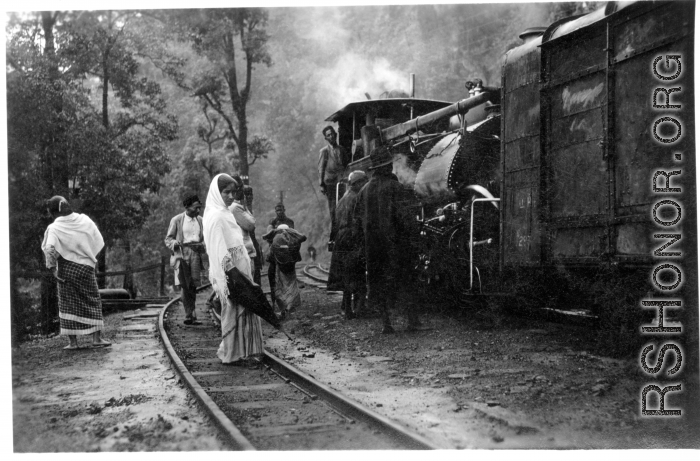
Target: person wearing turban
(185, 239)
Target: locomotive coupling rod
(458, 108)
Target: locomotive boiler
(554, 186)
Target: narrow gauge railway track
(316, 272)
(272, 405)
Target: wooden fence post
(163, 262)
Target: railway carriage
(578, 157)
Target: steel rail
(232, 433)
(346, 406)
(341, 404)
(314, 277)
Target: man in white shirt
(332, 161)
(185, 239)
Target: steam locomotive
(553, 185)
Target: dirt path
(474, 382)
(122, 398)
(480, 381)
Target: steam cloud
(405, 174)
(349, 75)
(353, 76)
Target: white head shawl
(75, 237)
(224, 241)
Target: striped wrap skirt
(79, 305)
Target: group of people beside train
(223, 239)
(367, 259)
(369, 234)
(227, 235)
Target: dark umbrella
(251, 297)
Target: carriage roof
(386, 107)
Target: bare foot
(101, 343)
(71, 347)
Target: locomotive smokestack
(412, 85)
(531, 33)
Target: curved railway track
(271, 405)
(316, 272)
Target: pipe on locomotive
(458, 108)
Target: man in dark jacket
(347, 273)
(385, 230)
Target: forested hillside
(126, 112)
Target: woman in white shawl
(70, 245)
(241, 330)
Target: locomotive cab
(382, 113)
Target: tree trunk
(102, 255)
(105, 90)
(243, 145)
(48, 21)
(55, 176)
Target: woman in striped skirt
(70, 245)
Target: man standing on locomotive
(332, 161)
(379, 219)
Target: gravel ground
(472, 379)
(122, 398)
(476, 379)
